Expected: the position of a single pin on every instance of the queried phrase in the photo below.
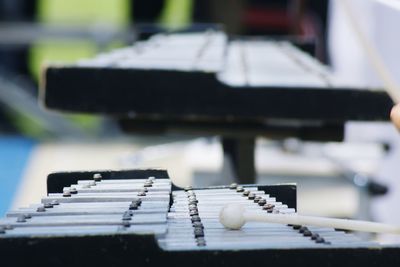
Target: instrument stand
(240, 152)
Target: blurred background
(35, 142)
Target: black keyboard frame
(143, 250)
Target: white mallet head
(231, 216)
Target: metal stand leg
(240, 151)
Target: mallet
(234, 216)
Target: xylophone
(139, 217)
(207, 83)
(209, 76)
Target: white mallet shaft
(234, 216)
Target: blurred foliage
(87, 123)
(28, 125)
(177, 13)
(54, 51)
(33, 127)
(84, 12)
(72, 13)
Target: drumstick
(234, 216)
(389, 84)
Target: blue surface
(14, 155)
